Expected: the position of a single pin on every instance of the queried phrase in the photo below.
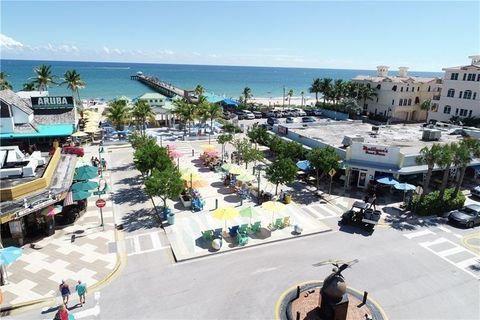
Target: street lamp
(283, 100)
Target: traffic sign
(98, 193)
(100, 203)
(332, 172)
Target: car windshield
(468, 211)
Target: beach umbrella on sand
(273, 207)
(225, 213)
(249, 212)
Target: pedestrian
(65, 291)
(92, 161)
(374, 202)
(81, 289)
(367, 197)
(104, 164)
(62, 313)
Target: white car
(300, 112)
(249, 115)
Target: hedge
(432, 204)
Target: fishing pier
(164, 88)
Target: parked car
(272, 121)
(310, 112)
(475, 191)
(308, 119)
(74, 150)
(317, 112)
(249, 115)
(240, 114)
(293, 112)
(280, 114)
(265, 114)
(300, 112)
(290, 120)
(257, 114)
(468, 216)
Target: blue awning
(230, 102)
(44, 130)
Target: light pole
(283, 100)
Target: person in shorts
(81, 289)
(64, 291)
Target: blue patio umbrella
(80, 195)
(387, 180)
(84, 186)
(9, 255)
(304, 165)
(404, 186)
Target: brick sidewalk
(37, 274)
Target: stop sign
(100, 203)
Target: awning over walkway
(371, 165)
(44, 130)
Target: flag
(68, 201)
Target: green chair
(279, 223)
(255, 227)
(242, 239)
(243, 229)
(207, 235)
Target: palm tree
(316, 87)
(74, 82)
(339, 90)
(366, 93)
(44, 77)
(211, 111)
(426, 106)
(199, 90)
(29, 86)
(143, 113)
(325, 87)
(4, 84)
(186, 111)
(302, 94)
(118, 113)
(467, 150)
(289, 94)
(247, 94)
(444, 161)
(428, 156)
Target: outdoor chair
(243, 229)
(217, 234)
(233, 231)
(255, 227)
(207, 235)
(242, 239)
(286, 222)
(278, 224)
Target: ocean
(108, 80)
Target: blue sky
(425, 35)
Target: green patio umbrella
(84, 186)
(246, 177)
(226, 166)
(249, 212)
(80, 195)
(85, 173)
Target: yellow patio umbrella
(236, 170)
(191, 176)
(273, 207)
(79, 134)
(225, 213)
(196, 184)
(91, 130)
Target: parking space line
(444, 229)
(451, 251)
(418, 234)
(468, 262)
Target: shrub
(432, 204)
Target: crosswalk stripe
(444, 229)
(328, 209)
(315, 213)
(468, 262)
(155, 240)
(418, 234)
(451, 251)
(434, 242)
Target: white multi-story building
(399, 97)
(460, 95)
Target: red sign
(100, 203)
(375, 151)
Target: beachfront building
(460, 94)
(38, 121)
(369, 152)
(399, 97)
(162, 107)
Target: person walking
(62, 313)
(81, 289)
(64, 291)
(374, 202)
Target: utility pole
(283, 100)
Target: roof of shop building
(51, 130)
(406, 137)
(11, 97)
(394, 79)
(151, 95)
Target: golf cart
(361, 215)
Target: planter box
(186, 203)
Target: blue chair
(217, 233)
(233, 231)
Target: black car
(240, 115)
(468, 216)
(272, 121)
(309, 112)
(257, 114)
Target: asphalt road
(395, 266)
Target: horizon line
(210, 65)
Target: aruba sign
(58, 102)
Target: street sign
(332, 172)
(98, 193)
(100, 203)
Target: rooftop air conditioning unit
(431, 135)
(348, 140)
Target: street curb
(247, 247)
(119, 266)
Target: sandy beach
(278, 101)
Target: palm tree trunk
(316, 96)
(318, 184)
(426, 183)
(444, 181)
(460, 180)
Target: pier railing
(164, 88)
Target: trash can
(171, 219)
(166, 211)
(288, 198)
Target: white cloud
(106, 50)
(9, 43)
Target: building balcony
(436, 97)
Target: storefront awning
(371, 165)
